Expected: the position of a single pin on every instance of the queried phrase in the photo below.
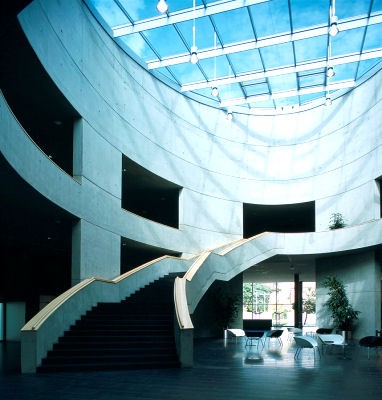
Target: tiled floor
(223, 370)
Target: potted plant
(338, 304)
(336, 221)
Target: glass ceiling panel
(312, 80)
(346, 8)
(207, 66)
(373, 38)
(238, 28)
(262, 104)
(348, 42)
(306, 98)
(167, 41)
(282, 83)
(365, 66)
(257, 68)
(309, 13)
(111, 14)
(255, 90)
(247, 61)
(185, 72)
(270, 17)
(377, 5)
(280, 54)
(137, 9)
(345, 72)
(204, 33)
(137, 45)
(179, 4)
(143, 9)
(166, 73)
(230, 92)
(310, 49)
(207, 94)
(222, 66)
(286, 102)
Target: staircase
(133, 334)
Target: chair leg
(296, 354)
(318, 351)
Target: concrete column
(97, 165)
(95, 252)
(361, 275)
(96, 160)
(297, 301)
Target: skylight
(263, 55)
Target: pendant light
(333, 19)
(215, 90)
(162, 6)
(194, 55)
(329, 69)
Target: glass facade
(275, 300)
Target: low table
(334, 340)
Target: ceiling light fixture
(330, 72)
(328, 100)
(333, 19)
(333, 30)
(194, 55)
(229, 115)
(215, 90)
(329, 69)
(162, 6)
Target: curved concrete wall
(331, 155)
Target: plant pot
(346, 335)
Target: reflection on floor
(223, 370)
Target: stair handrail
(180, 302)
(239, 243)
(180, 297)
(37, 320)
(197, 264)
(182, 311)
(39, 333)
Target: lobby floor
(223, 370)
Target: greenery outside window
(275, 300)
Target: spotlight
(162, 6)
(333, 30)
(330, 72)
(229, 115)
(328, 101)
(194, 55)
(215, 91)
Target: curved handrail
(238, 243)
(196, 265)
(181, 307)
(210, 265)
(35, 322)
